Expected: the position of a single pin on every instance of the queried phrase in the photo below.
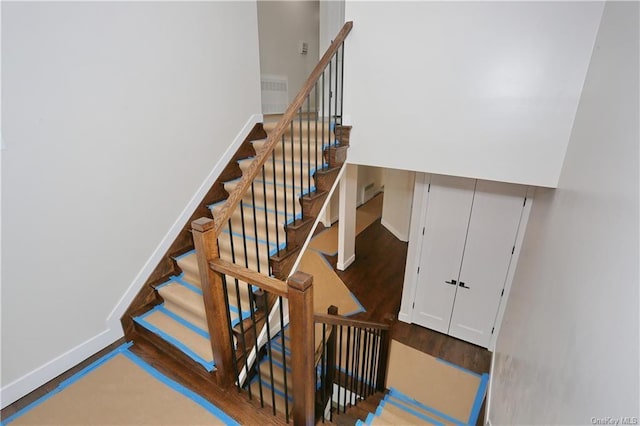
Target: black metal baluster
(354, 377)
(308, 144)
(284, 185)
(364, 364)
(284, 360)
(239, 300)
(346, 366)
(277, 218)
(323, 125)
(342, 84)
(255, 225)
(315, 158)
(266, 217)
(301, 168)
(339, 364)
(335, 93)
(293, 175)
(235, 358)
(270, 354)
(330, 97)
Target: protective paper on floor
(327, 241)
(328, 288)
(119, 392)
(442, 386)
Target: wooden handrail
(268, 284)
(340, 320)
(274, 137)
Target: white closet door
(495, 217)
(447, 217)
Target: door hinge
(413, 306)
(429, 188)
(423, 230)
(418, 270)
(513, 249)
(525, 201)
(502, 293)
(492, 328)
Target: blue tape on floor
(68, 382)
(412, 412)
(208, 365)
(402, 397)
(353, 296)
(477, 403)
(182, 390)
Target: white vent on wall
(275, 93)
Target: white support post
(347, 217)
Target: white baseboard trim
(52, 369)
(342, 266)
(124, 302)
(399, 235)
(404, 317)
(487, 411)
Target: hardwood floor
(376, 278)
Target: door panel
(495, 217)
(447, 217)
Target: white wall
(568, 349)
(396, 207)
(282, 25)
(113, 116)
(476, 89)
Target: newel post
(213, 293)
(302, 328)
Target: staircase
(223, 308)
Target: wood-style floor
(376, 278)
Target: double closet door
(470, 230)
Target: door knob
(461, 284)
(452, 282)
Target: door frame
(414, 253)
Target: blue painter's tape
(359, 423)
(68, 382)
(369, 419)
(402, 397)
(411, 411)
(473, 373)
(249, 237)
(276, 391)
(208, 365)
(184, 255)
(182, 390)
(477, 403)
(178, 279)
(275, 363)
(177, 318)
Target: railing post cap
(203, 224)
(300, 281)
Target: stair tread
(406, 405)
(187, 337)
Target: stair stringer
(274, 318)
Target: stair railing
(242, 223)
(352, 363)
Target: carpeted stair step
(184, 335)
(273, 201)
(245, 254)
(308, 147)
(269, 127)
(286, 169)
(254, 218)
(185, 301)
(269, 396)
(188, 262)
